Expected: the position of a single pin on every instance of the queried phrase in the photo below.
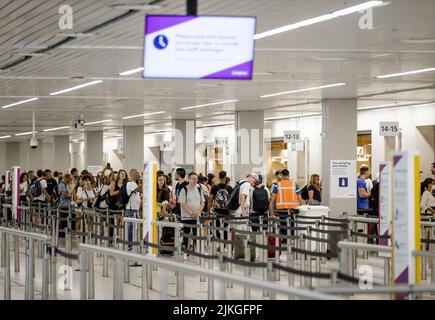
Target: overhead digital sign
(199, 47)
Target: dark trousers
(223, 215)
(283, 215)
(256, 219)
(188, 230)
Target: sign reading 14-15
(292, 136)
(390, 129)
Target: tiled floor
(194, 288)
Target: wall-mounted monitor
(199, 47)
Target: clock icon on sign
(161, 42)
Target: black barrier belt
(39, 226)
(115, 226)
(237, 218)
(235, 222)
(159, 247)
(318, 239)
(302, 222)
(190, 225)
(262, 225)
(329, 224)
(293, 228)
(245, 263)
(337, 219)
(97, 223)
(314, 254)
(347, 278)
(102, 238)
(78, 233)
(329, 231)
(427, 240)
(129, 243)
(308, 217)
(251, 233)
(191, 236)
(302, 273)
(65, 254)
(283, 236)
(369, 236)
(199, 255)
(216, 228)
(265, 247)
(232, 242)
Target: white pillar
(94, 155)
(183, 143)
(2, 158)
(133, 148)
(339, 143)
(62, 156)
(249, 144)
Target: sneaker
(283, 257)
(185, 256)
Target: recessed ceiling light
(76, 87)
(128, 72)
(5, 137)
(143, 115)
(209, 104)
(54, 129)
(325, 17)
(25, 133)
(392, 75)
(303, 90)
(19, 102)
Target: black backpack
(233, 202)
(304, 193)
(123, 197)
(36, 189)
(260, 200)
(167, 239)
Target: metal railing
(147, 261)
(29, 239)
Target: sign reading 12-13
(292, 136)
(199, 47)
(389, 129)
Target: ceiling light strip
(303, 90)
(392, 75)
(143, 115)
(25, 133)
(5, 137)
(98, 122)
(54, 129)
(18, 103)
(209, 104)
(325, 17)
(87, 84)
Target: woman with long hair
(427, 203)
(210, 182)
(115, 187)
(24, 187)
(314, 194)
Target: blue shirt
(362, 203)
(63, 203)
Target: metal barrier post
(3, 249)
(222, 282)
(53, 274)
(106, 245)
(31, 270)
(126, 271)
(211, 250)
(246, 289)
(7, 288)
(269, 278)
(117, 285)
(91, 279)
(310, 267)
(45, 272)
(83, 281)
(277, 253)
(386, 271)
(302, 260)
(264, 258)
(144, 282)
(17, 253)
(229, 253)
(67, 245)
(291, 277)
(318, 265)
(163, 284)
(344, 261)
(324, 236)
(179, 258)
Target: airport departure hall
(202, 152)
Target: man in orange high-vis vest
(286, 195)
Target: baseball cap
(257, 177)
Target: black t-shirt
(316, 195)
(51, 185)
(214, 191)
(178, 188)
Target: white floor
(194, 288)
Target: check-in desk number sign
(292, 136)
(389, 129)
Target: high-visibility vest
(286, 197)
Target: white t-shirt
(104, 190)
(43, 186)
(427, 200)
(245, 189)
(88, 196)
(369, 185)
(23, 188)
(134, 202)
